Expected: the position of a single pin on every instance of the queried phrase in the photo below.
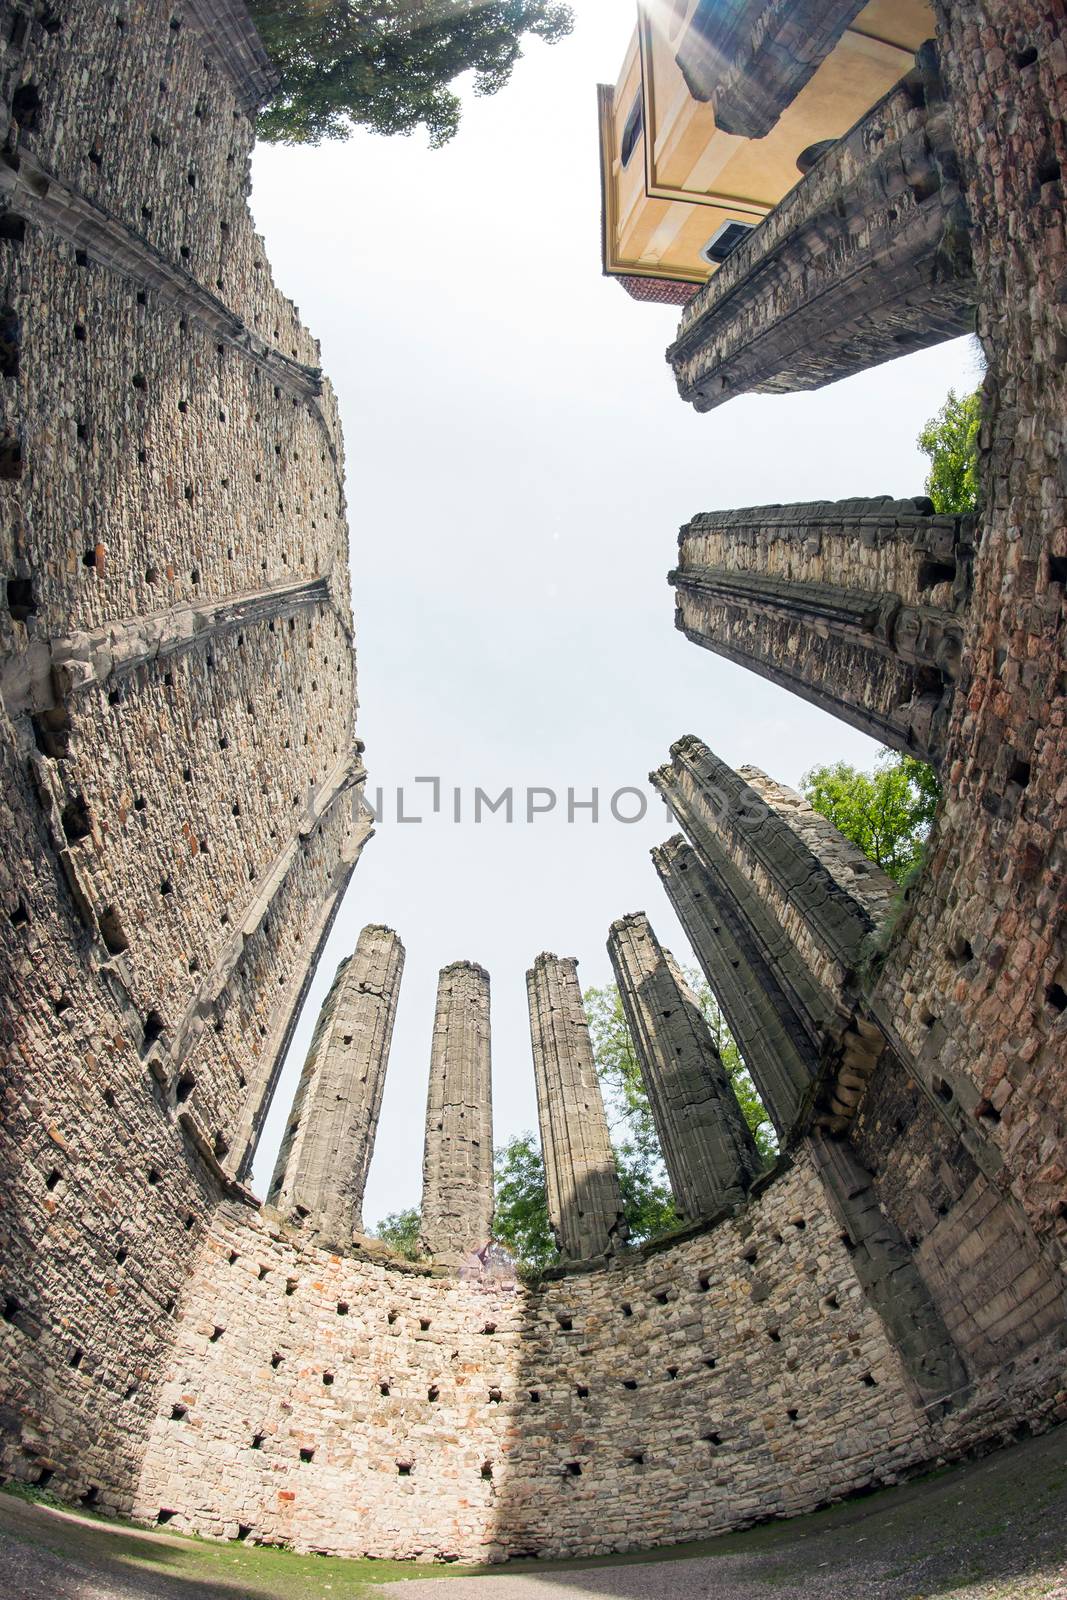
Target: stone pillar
(584, 1199)
(867, 258)
(325, 1154)
(457, 1169)
(710, 1155)
(780, 1049)
(798, 904)
(855, 606)
(752, 60)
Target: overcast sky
(519, 464)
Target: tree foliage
(400, 1230)
(522, 1223)
(951, 441)
(887, 813)
(521, 1215)
(387, 64)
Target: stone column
(781, 1052)
(325, 1155)
(584, 1199)
(867, 258)
(799, 904)
(751, 61)
(457, 1171)
(854, 605)
(710, 1155)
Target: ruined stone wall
(343, 1405)
(997, 1294)
(813, 920)
(866, 258)
(585, 1206)
(854, 605)
(181, 771)
(975, 986)
(708, 1150)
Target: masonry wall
(975, 986)
(181, 771)
(733, 1374)
(997, 1293)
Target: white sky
(519, 463)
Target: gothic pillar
(856, 606)
(795, 905)
(780, 1050)
(867, 258)
(710, 1154)
(584, 1199)
(325, 1154)
(457, 1170)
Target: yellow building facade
(678, 193)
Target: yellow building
(679, 193)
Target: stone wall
(343, 1405)
(752, 60)
(584, 1199)
(181, 773)
(708, 1150)
(975, 987)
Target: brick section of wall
(892, 1280)
(751, 58)
(867, 258)
(584, 1200)
(457, 1168)
(657, 291)
(975, 986)
(994, 1289)
(181, 772)
(710, 1155)
(325, 1153)
(854, 605)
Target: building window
(635, 125)
(725, 240)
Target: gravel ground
(992, 1530)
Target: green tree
(620, 1072)
(387, 64)
(522, 1224)
(521, 1216)
(951, 441)
(400, 1230)
(887, 813)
